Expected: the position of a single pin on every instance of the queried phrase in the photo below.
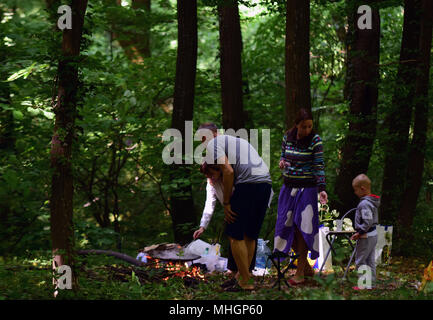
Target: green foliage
(121, 186)
(326, 216)
(90, 236)
(99, 277)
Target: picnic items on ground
(142, 257)
(209, 255)
(263, 263)
(323, 249)
(382, 250)
(262, 255)
(169, 252)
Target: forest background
(131, 73)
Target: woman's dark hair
(204, 168)
(303, 114)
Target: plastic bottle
(263, 252)
(142, 257)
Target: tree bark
(61, 204)
(348, 38)
(231, 65)
(297, 66)
(399, 116)
(363, 60)
(181, 201)
(417, 148)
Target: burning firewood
(171, 265)
(169, 252)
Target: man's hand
(229, 215)
(198, 233)
(323, 197)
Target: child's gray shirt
(367, 214)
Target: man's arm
(228, 179)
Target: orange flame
(182, 271)
(177, 269)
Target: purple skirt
(297, 207)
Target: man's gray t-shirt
(248, 166)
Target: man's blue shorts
(249, 201)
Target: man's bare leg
(240, 254)
(251, 247)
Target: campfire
(178, 270)
(173, 261)
(163, 262)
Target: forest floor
(107, 279)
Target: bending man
(245, 208)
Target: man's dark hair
(208, 125)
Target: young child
(366, 219)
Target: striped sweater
(306, 166)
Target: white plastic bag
(221, 265)
(210, 255)
(384, 243)
(213, 263)
(201, 248)
(323, 249)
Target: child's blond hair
(362, 180)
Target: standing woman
(297, 223)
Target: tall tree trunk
(297, 67)
(399, 116)
(181, 201)
(417, 148)
(7, 126)
(136, 44)
(61, 204)
(7, 139)
(143, 42)
(231, 65)
(348, 39)
(363, 60)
